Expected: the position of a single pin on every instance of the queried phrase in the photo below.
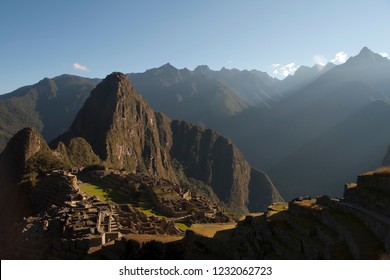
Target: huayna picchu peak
(121, 129)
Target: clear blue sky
(52, 37)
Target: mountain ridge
(313, 108)
(127, 134)
(49, 106)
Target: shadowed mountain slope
(48, 106)
(353, 146)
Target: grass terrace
(220, 231)
(107, 194)
(182, 226)
(312, 204)
(143, 238)
(104, 192)
(277, 211)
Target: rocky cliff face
(20, 149)
(261, 191)
(213, 159)
(121, 129)
(77, 153)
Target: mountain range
(293, 129)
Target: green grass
(150, 212)
(182, 226)
(105, 193)
(95, 190)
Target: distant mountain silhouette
(204, 96)
(49, 106)
(302, 77)
(309, 112)
(351, 147)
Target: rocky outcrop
(121, 129)
(78, 153)
(54, 189)
(14, 199)
(20, 149)
(213, 159)
(372, 191)
(262, 191)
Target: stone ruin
(102, 222)
(83, 222)
(168, 198)
(71, 224)
(174, 201)
(371, 191)
(55, 188)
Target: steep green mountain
(48, 106)
(215, 160)
(126, 134)
(121, 128)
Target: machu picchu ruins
(82, 218)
